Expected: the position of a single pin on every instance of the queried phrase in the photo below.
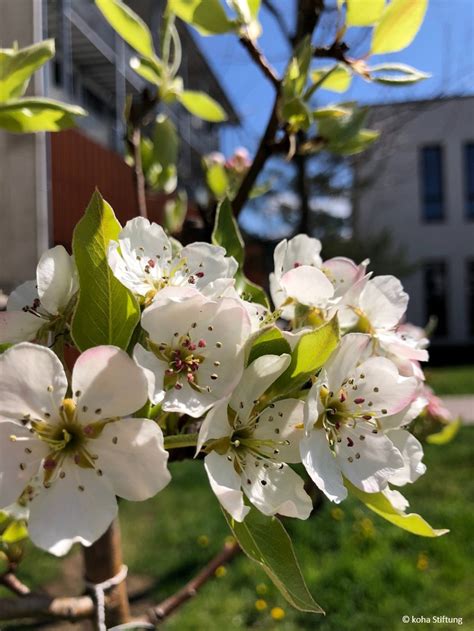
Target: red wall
(78, 166)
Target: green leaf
(364, 12)
(396, 74)
(165, 155)
(37, 114)
(297, 114)
(226, 233)
(128, 25)
(149, 69)
(330, 111)
(217, 180)
(175, 213)
(106, 312)
(202, 105)
(343, 134)
(16, 531)
(296, 74)
(380, 504)
(268, 341)
(309, 355)
(356, 144)
(338, 77)
(18, 65)
(265, 541)
(207, 16)
(398, 26)
(446, 435)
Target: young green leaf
(226, 233)
(268, 341)
(398, 26)
(18, 65)
(202, 105)
(217, 180)
(149, 69)
(207, 16)
(265, 541)
(396, 74)
(37, 114)
(380, 504)
(128, 25)
(14, 532)
(364, 12)
(338, 78)
(446, 435)
(175, 213)
(106, 312)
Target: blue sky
(443, 47)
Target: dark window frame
(442, 332)
(425, 197)
(469, 284)
(468, 176)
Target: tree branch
(278, 18)
(140, 187)
(168, 606)
(261, 61)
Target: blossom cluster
(70, 444)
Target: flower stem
(180, 440)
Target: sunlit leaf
(202, 105)
(207, 16)
(338, 80)
(446, 435)
(128, 25)
(268, 341)
(175, 213)
(396, 74)
(38, 114)
(149, 69)
(14, 532)
(18, 65)
(398, 26)
(265, 541)
(217, 180)
(380, 504)
(106, 312)
(363, 12)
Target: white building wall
(392, 199)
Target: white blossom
(35, 307)
(194, 355)
(69, 457)
(344, 418)
(143, 259)
(251, 443)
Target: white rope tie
(99, 590)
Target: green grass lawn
(364, 572)
(451, 379)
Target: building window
(436, 296)
(469, 178)
(431, 160)
(470, 296)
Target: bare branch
(261, 61)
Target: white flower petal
(352, 349)
(107, 383)
(412, 454)
(282, 422)
(56, 279)
(131, 455)
(342, 272)
(275, 488)
(23, 296)
(367, 459)
(154, 370)
(208, 263)
(256, 379)
(32, 382)
(322, 466)
(313, 405)
(127, 271)
(396, 499)
(300, 250)
(80, 506)
(215, 425)
(308, 286)
(20, 460)
(18, 326)
(225, 483)
(384, 302)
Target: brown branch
(261, 61)
(13, 583)
(41, 606)
(337, 51)
(168, 606)
(140, 187)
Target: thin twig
(168, 606)
(13, 583)
(261, 61)
(278, 18)
(140, 186)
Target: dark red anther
(202, 343)
(350, 442)
(359, 400)
(200, 274)
(88, 430)
(367, 417)
(151, 263)
(296, 264)
(337, 425)
(191, 280)
(49, 464)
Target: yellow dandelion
(277, 613)
(221, 571)
(260, 604)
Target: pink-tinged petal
(18, 326)
(80, 506)
(154, 370)
(379, 389)
(32, 382)
(384, 302)
(132, 457)
(56, 279)
(215, 425)
(342, 272)
(367, 459)
(322, 466)
(308, 286)
(412, 454)
(404, 348)
(107, 383)
(225, 483)
(275, 489)
(256, 379)
(21, 455)
(352, 350)
(282, 423)
(404, 416)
